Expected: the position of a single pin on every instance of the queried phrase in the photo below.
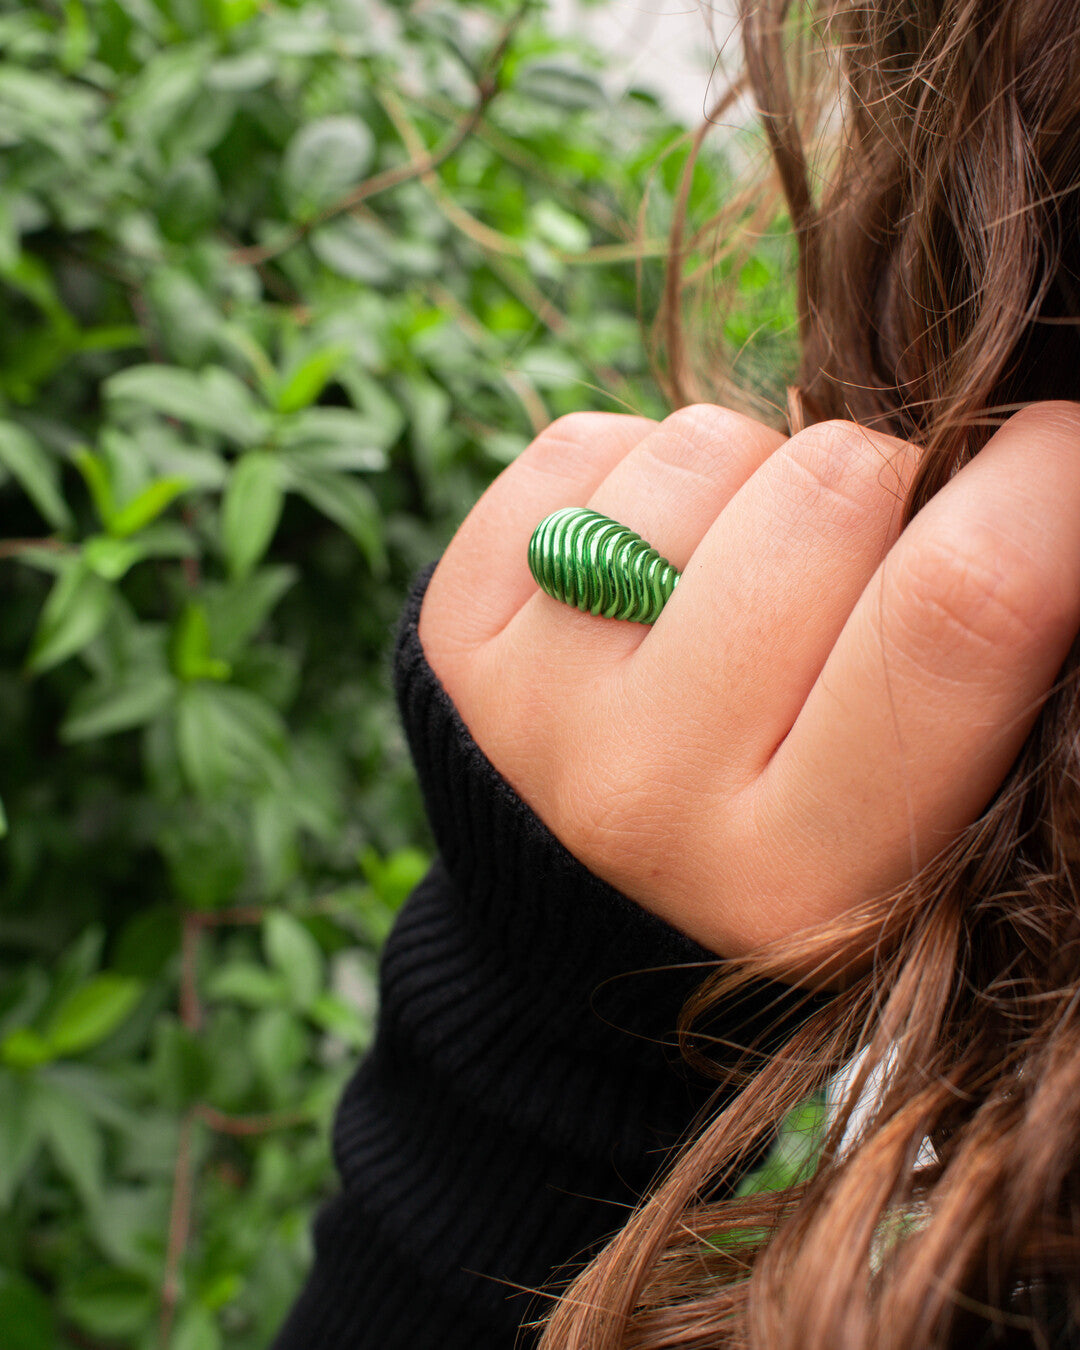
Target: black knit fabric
(523, 1088)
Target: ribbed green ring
(597, 565)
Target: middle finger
(762, 601)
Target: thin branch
(11, 548)
(531, 296)
(190, 1008)
(494, 241)
(670, 317)
(179, 1226)
(241, 1127)
(600, 214)
(486, 89)
(219, 918)
(535, 408)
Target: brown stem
(11, 548)
(538, 304)
(596, 211)
(190, 1008)
(670, 321)
(486, 88)
(179, 1226)
(220, 918)
(535, 408)
(74, 1336)
(241, 1127)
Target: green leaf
(25, 1314)
(35, 473)
(113, 558)
(127, 1226)
(25, 1048)
(279, 1043)
(235, 13)
(565, 85)
(92, 1013)
(147, 942)
(78, 40)
(337, 438)
(292, 950)
(557, 227)
(394, 878)
(244, 982)
(197, 1329)
(109, 1303)
(147, 506)
(74, 1139)
(75, 612)
(347, 503)
(794, 1155)
(30, 276)
(341, 1019)
(95, 470)
(110, 338)
(20, 1134)
(103, 709)
(190, 647)
(10, 242)
(162, 92)
(180, 1064)
(251, 509)
(355, 249)
(214, 399)
(110, 558)
(187, 318)
(188, 200)
(301, 386)
(229, 739)
(323, 160)
(79, 961)
(248, 70)
(236, 611)
(109, 1099)
(3, 820)
(205, 853)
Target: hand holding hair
(824, 702)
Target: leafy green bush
(286, 282)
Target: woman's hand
(823, 704)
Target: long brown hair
(939, 290)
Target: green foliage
(792, 1159)
(794, 1155)
(271, 325)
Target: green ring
(597, 565)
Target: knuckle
(1049, 415)
(830, 457)
(562, 448)
(984, 590)
(704, 420)
(704, 429)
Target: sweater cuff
(565, 926)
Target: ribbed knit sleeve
(523, 1088)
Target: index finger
(941, 669)
(483, 578)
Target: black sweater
(523, 1089)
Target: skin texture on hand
(823, 704)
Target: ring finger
(669, 488)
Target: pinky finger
(940, 672)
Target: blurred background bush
(285, 284)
